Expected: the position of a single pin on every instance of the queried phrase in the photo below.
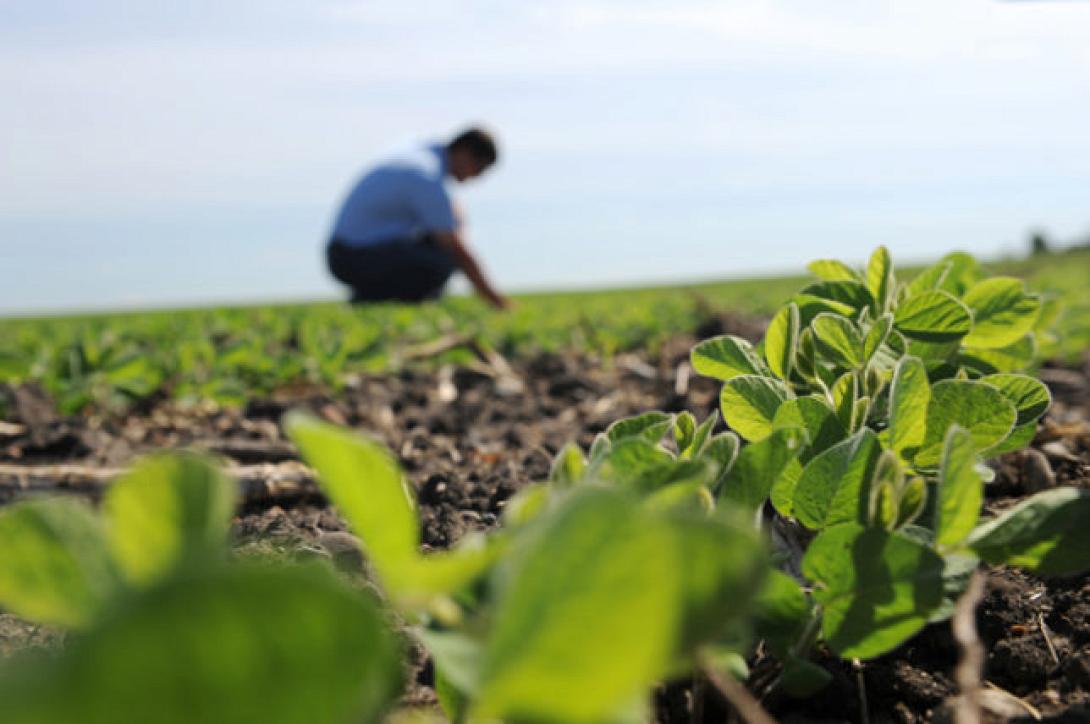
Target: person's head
(470, 153)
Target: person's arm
(452, 241)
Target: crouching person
(399, 237)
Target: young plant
(165, 629)
(867, 410)
(608, 578)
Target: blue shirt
(401, 198)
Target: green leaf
(700, 436)
(526, 504)
(963, 273)
(877, 588)
(365, 483)
(880, 279)
(909, 397)
(934, 317)
(806, 355)
(684, 430)
(568, 465)
(810, 306)
(168, 510)
(960, 489)
(578, 633)
(1017, 356)
(913, 501)
(457, 659)
(860, 411)
(221, 644)
(650, 426)
(831, 270)
(634, 463)
(781, 612)
(423, 578)
(722, 564)
(781, 340)
(811, 413)
(1002, 312)
(802, 678)
(726, 357)
(885, 493)
(823, 429)
(978, 407)
(1030, 397)
(1021, 436)
(599, 447)
(56, 566)
(749, 481)
(722, 449)
(887, 355)
(845, 392)
(876, 336)
(929, 279)
(838, 340)
(835, 485)
(749, 403)
(1048, 534)
(851, 293)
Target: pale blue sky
(162, 152)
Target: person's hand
(501, 302)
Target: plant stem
(739, 697)
(967, 673)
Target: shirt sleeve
(433, 207)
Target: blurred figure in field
(399, 235)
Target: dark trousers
(405, 270)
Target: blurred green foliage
(110, 361)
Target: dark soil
(468, 440)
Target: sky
(163, 153)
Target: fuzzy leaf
(877, 588)
(365, 483)
(1002, 312)
(723, 564)
(909, 396)
(960, 489)
(838, 340)
(1030, 397)
(831, 270)
(722, 449)
(850, 293)
(240, 643)
(962, 274)
(749, 481)
(650, 426)
(835, 485)
(726, 357)
(781, 341)
(975, 406)
(749, 403)
(880, 279)
(934, 317)
(876, 336)
(577, 632)
(700, 436)
(929, 279)
(169, 509)
(568, 465)
(56, 565)
(1048, 534)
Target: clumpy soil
(471, 437)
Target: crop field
(847, 495)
